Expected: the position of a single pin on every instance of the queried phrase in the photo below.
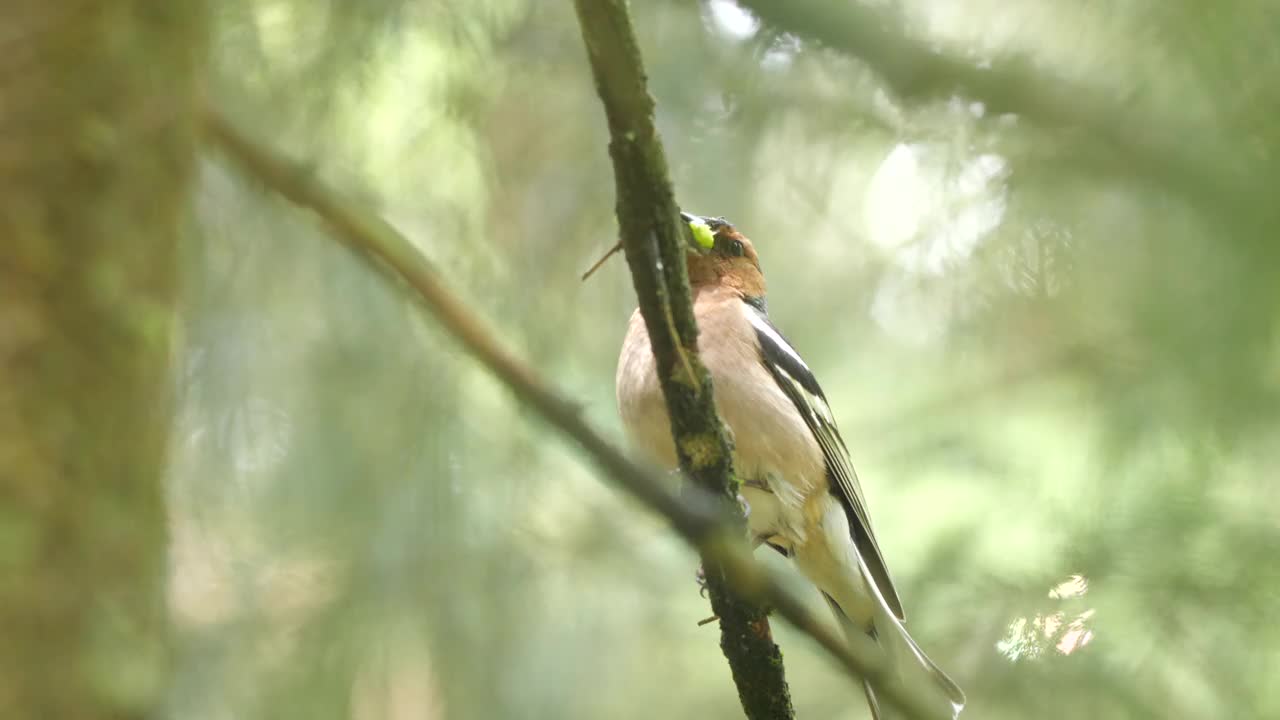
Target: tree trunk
(97, 140)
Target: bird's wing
(798, 383)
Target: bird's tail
(909, 664)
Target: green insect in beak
(704, 239)
(703, 235)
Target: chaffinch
(803, 496)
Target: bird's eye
(735, 248)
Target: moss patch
(702, 449)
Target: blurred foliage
(1056, 368)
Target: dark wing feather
(798, 383)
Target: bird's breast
(775, 454)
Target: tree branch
(697, 516)
(911, 69)
(655, 244)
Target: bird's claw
(702, 590)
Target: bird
(802, 496)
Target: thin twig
(592, 270)
(698, 519)
(690, 375)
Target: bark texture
(97, 129)
(654, 240)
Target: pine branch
(1156, 148)
(697, 516)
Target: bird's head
(719, 255)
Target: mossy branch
(654, 241)
(697, 516)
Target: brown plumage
(726, 267)
(804, 497)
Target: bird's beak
(700, 239)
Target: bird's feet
(702, 590)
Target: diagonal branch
(696, 517)
(913, 69)
(654, 241)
